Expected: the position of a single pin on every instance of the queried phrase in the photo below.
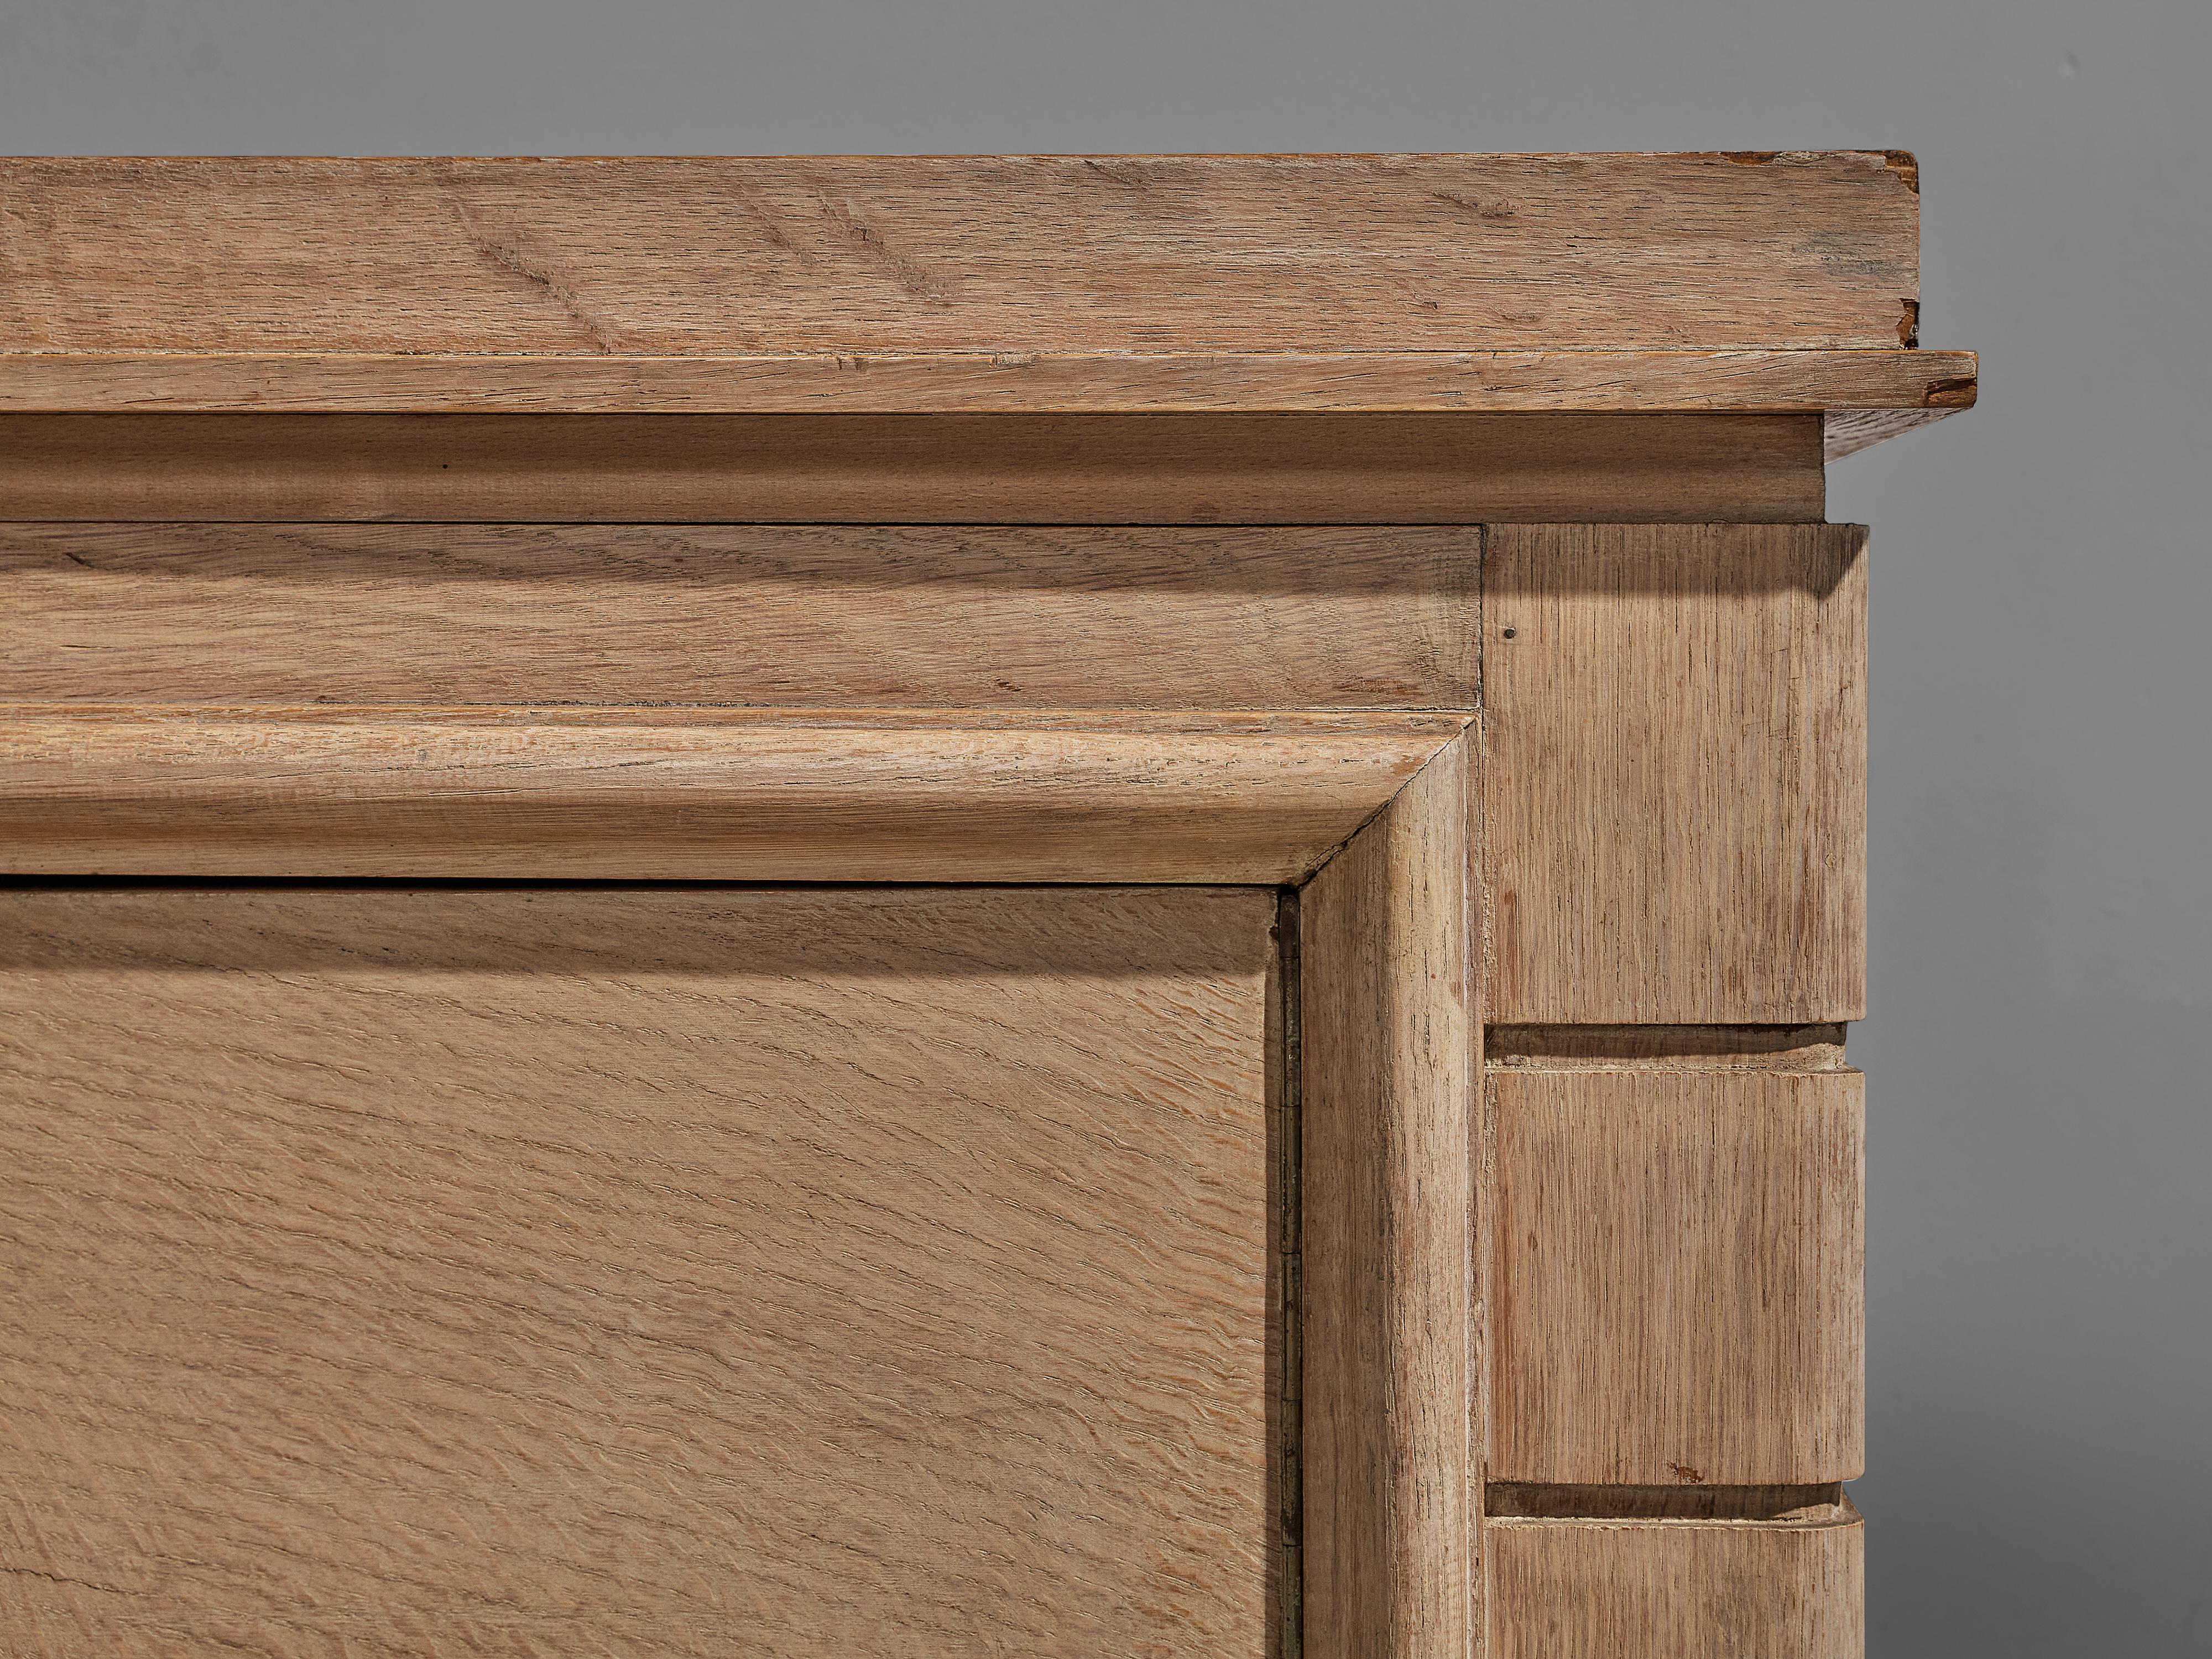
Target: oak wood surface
(1847, 431)
(864, 257)
(1068, 469)
(1675, 1590)
(1674, 793)
(1678, 1277)
(1870, 395)
(1665, 1047)
(1387, 1036)
(726, 795)
(754, 1271)
(974, 617)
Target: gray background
(2042, 914)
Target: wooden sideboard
(943, 906)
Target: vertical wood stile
(1389, 1032)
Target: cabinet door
(773, 1271)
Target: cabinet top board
(1735, 282)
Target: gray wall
(2042, 791)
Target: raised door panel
(774, 1271)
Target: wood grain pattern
(1665, 1047)
(1387, 1107)
(1847, 431)
(1679, 1262)
(975, 617)
(716, 796)
(1674, 792)
(1662, 1589)
(772, 1272)
(1873, 394)
(862, 257)
(1068, 469)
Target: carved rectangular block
(1674, 793)
(1676, 1590)
(1678, 1266)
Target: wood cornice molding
(1744, 382)
(1768, 284)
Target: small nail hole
(1509, 633)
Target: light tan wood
(1067, 468)
(859, 256)
(1105, 1269)
(772, 1272)
(1870, 394)
(1665, 1047)
(1679, 1262)
(879, 616)
(1674, 792)
(1387, 1036)
(1675, 1590)
(698, 796)
(1847, 431)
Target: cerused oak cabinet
(938, 906)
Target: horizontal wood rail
(868, 257)
(1455, 469)
(723, 796)
(1926, 383)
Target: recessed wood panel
(1676, 1590)
(775, 1272)
(1679, 1263)
(813, 617)
(845, 256)
(1453, 469)
(1675, 779)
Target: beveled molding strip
(719, 795)
(1817, 1048)
(1876, 383)
(566, 468)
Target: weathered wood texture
(1877, 392)
(1675, 775)
(778, 1272)
(1678, 1291)
(974, 617)
(1387, 1104)
(864, 256)
(1847, 431)
(719, 796)
(1067, 468)
(1675, 1590)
